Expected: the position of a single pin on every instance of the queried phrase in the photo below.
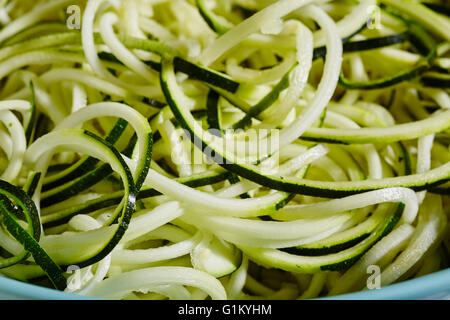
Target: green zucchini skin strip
(44, 28)
(439, 8)
(72, 183)
(29, 239)
(209, 18)
(126, 209)
(31, 127)
(86, 165)
(32, 184)
(64, 216)
(385, 82)
(330, 262)
(182, 65)
(375, 43)
(406, 161)
(326, 246)
(354, 235)
(201, 74)
(433, 124)
(368, 44)
(340, 189)
(443, 189)
(302, 186)
(154, 103)
(223, 81)
(167, 67)
(74, 171)
(384, 230)
(40, 42)
(74, 187)
(265, 102)
(421, 40)
(192, 70)
(312, 251)
(206, 75)
(26, 204)
(433, 22)
(30, 244)
(435, 82)
(213, 112)
(6, 262)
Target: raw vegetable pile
(223, 149)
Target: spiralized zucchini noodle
(223, 149)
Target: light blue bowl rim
(432, 286)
